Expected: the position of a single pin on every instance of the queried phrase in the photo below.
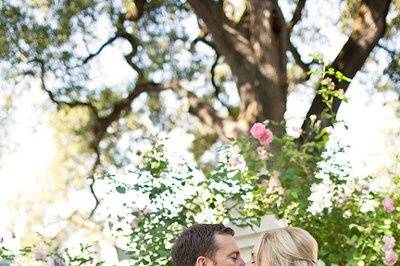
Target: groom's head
(206, 245)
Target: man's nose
(242, 263)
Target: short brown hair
(197, 240)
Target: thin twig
(91, 56)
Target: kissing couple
(215, 245)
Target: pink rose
(261, 133)
(389, 243)
(390, 258)
(388, 204)
(266, 138)
(257, 130)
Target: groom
(206, 245)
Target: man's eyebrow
(234, 252)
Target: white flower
(347, 214)
(329, 129)
(206, 215)
(368, 205)
(321, 197)
(382, 184)
(235, 159)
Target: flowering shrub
(354, 222)
(355, 219)
(48, 256)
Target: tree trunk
(257, 61)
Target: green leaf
(121, 189)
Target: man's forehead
(225, 241)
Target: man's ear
(201, 261)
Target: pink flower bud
(390, 258)
(389, 243)
(388, 204)
(262, 153)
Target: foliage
(352, 217)
(177, 196)
(344, 213)
(48, 255)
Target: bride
(289, 246)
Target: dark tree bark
(255, 49)
(257, 59)
(368, 28)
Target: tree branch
(51, 95)
(122, 107)
(293, 50)
(391, 52)
(368, 28)
(204, 40)
(93, 179)
(122, 33)
(213, 80)
(229, 40)
(134, 42)
(71, 105)
(217, 87)
(102, 123)
(91, 56)
(297, 58)
(296, 15)
(205, 112)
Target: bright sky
(33, 153)
(367, 115)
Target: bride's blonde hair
(290, 246)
